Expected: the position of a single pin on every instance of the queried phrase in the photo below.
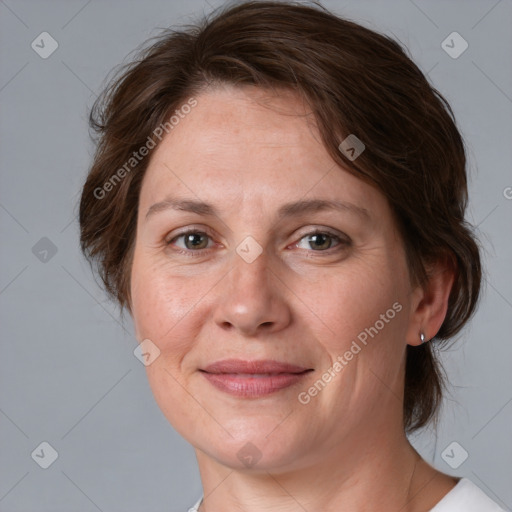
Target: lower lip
(253, 386)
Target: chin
(256, 445)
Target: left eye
(319, 241)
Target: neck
(381, 474)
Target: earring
(422, 338)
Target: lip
(254, 367)
(253, 378)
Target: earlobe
(432, 305)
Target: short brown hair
(356, 81)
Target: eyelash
(200, 252)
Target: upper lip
(255, 367)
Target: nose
(252, 298)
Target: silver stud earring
(422, 338)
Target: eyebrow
(287, 210)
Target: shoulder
(466, 497)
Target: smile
(253, 379)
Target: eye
(320, 241)
(191, 241)
(195, 241)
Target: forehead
(237, 144)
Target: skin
(247, 152)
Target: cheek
(159, 304)
(169, 309)
(353, 301)
(362, 320)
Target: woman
(278, 199)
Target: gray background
(68, 373)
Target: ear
(430, 301)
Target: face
(252, 244)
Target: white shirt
(464, 497)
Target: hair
(356, 81)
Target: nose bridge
(252, 274)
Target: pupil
(194, 240)
(322, 239)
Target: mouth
(253, 379)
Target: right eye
(191, 241)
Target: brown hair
(356, 81)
